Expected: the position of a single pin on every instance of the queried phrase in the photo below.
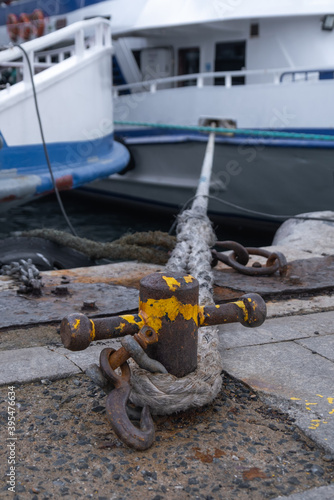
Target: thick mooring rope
(151, 246)
(165, 393)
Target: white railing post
(99, 35)
(200, 82)
(79, 43)
(153, 88)
(228, 81)
(26, 72)
(107, 35)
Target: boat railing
(306, 75)
(53, 56)
(88, 34)
(227, 79)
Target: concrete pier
(287, 363)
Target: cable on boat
(43, 141)
(235, 131)
(255, 212)
(281, 218)
(165, 393)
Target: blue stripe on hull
(73, 164)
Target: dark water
(105, 221)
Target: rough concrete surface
(269, 433)
(298, 378)
(235, 448)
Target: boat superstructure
(241, 65)
(257, 65)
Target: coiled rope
(165, 393)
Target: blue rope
(237, 131)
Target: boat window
(230, 56)
(136, 55)
(156, 62)
(188, 64)
(61, 23)
(117, 74)
(254, 30)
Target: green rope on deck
(240, 131)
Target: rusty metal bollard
(168, 303)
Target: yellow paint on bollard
(201, 315)
(172, 283)
(153, 311)
(76, 324)
(242, 306)
(120, 327)
(92, 333)
(129, 319)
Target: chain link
(27, 273)
(239, 258)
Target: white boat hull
(71, 119)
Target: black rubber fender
(45, 255)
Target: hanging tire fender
(26, 28)
(13, 28)
(38, 22)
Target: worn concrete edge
(289, 408)
(78, 362)
(53, 371)
(73, 363)
(81, 360)
(321, 493)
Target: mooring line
(165, 393)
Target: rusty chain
(117, 400)
(116, 406)
(239, 259)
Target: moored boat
(72, 125)
(265, 71)
(266, 68)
